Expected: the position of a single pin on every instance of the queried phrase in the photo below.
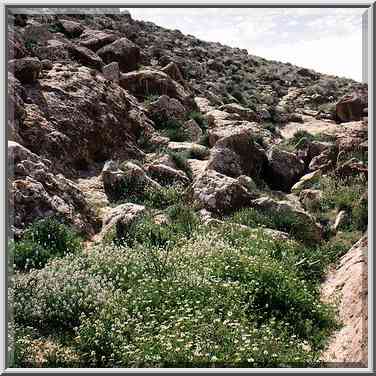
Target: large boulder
(151, 82)
(302, 223)
(26, 69)
(72, 29)
(219, 193)
(124, 51)
(231, 127)
(110, 120)
(35, 192)
(350, 107)
(246, 156)
(225, 161)
(165, 109)
(96, 39)
(283, 170)
(85, 56)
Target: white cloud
(328, 40)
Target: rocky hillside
(133, 147)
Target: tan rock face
(35, 192)
(220, 193)
(110, 119)
(349, 284)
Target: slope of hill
(174, 202)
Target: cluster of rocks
(86, 90)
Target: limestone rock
(283, 169)
(219, 193)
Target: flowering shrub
(208, 299)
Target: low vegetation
(43, 240)
(180, 294)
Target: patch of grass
(150, 98)
(31, 44)
(200, 120)
(56, 28)
(270, 219)
(44, 239)
(164, 197)
(180, 160)
(344, 194)
(204, 140)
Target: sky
(328, 40)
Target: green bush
(274, 220)
(163, 197)
(200, 120)
(45, 239)
(151, 97)
(56, 28)
(349, 194)
(199, 153)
